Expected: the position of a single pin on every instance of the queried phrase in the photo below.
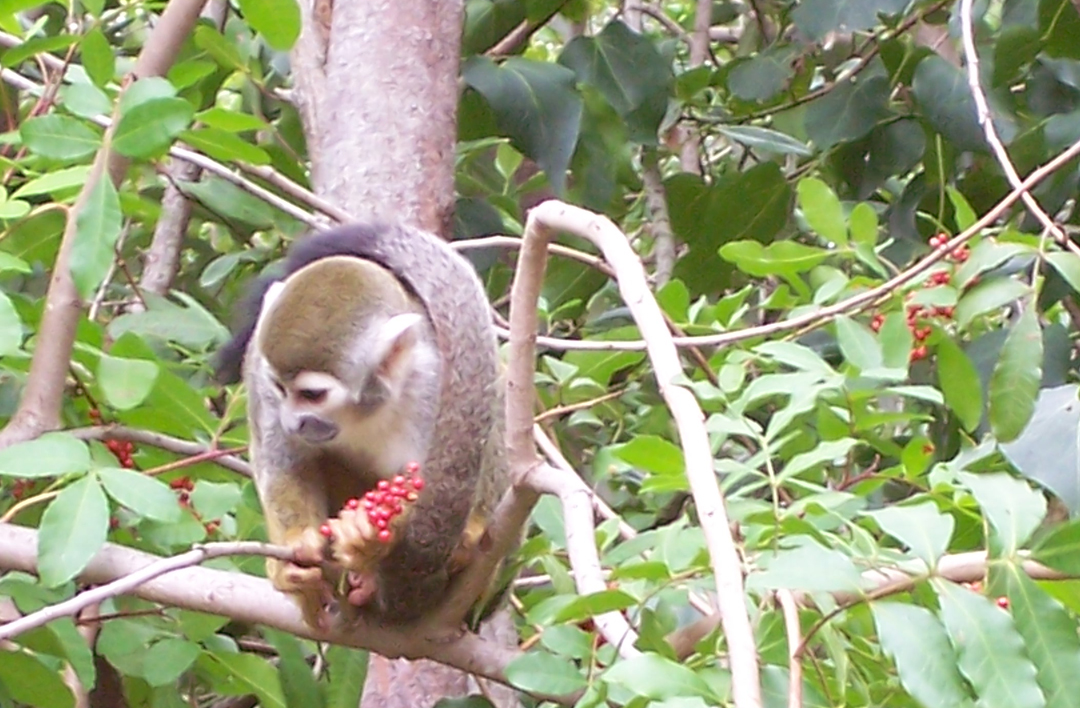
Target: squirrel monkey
(372, 351)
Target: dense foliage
(814, 152)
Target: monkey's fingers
(362, 587)
(355, 543)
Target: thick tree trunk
(377, 88)
(376, 84)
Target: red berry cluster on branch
(122, 449)
(386, 502)
(957, 255)
(183, 486)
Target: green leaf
(149, 128)
(959, 382)
(1011, 506)
(215, 499)
(858, 344)
(780, 258)
(30, 682)
(654, 454)
(540, 671)
(73, 529)
(629, 71)
(126, 382)
(988, 296)
(242, 674)
(921, 527)
(1048, 451)
(348, 670)
(225, 146)
(765, 139)
(68, 179)
(224, 52)
(864, 225)
(822, 210)
(535, 105)
(168, 659)
(59, 137)
(278, 21)
(1068, 267)
(823, 453)
(925, 660)
(1014, 384)
(849, 111)
(596, 603)
(11, 328)
(97, 228)
(991, 652)
(144, 495)
(817, 18)
(942, 93)
(762, 76)
(85, 100)
(1049, 634)
(1060, 549)
(297, 680)
(230, 121)
(51, 455)
(656, 677)
(1059, 24)
(97, 57)
(807, 566)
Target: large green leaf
(849, 111)
(73, 529)
(97, 228)
(992, 655)
(822, 210)
(785, 258)
(1014, 384)
(144, 495)
(921, 527)
(52, 454)
(654, 676)
(348, 670)
(535, 105)
(243, 674)
(98, 58)
(925, 661)
(858, 344)
(149, 128)
(1059, 23)
(629, 71)
(1011, 506)
(1060, 549)
(126, 382)
(1049, 634)
(297, 681)
(59, 137)
(278, 21)
(30, 682)
(942, 92)
(959, 382)
(808, 566)
(540, 671)
(817, 18)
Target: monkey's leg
(294, 511)
(470, 542)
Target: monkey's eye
(312, 395)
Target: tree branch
(553, 216)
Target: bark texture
(376, 85)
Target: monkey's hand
(364, 532)
(304, 582)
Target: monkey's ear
(393, 342)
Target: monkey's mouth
(315, 430)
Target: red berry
(383, 485)
(326, 531)
(1003, 602)
(352, 504)
(417, 483)
(384, 535)
(399, 480)
(114, 523)
(918, 353)
(381, 523)
(413, 468)
(95, 414)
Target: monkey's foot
(362, 587)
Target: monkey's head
(338, 341)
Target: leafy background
(809, 154)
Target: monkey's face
(312, 406)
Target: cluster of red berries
(1001, 601)
(122, 449)
(183, 486)
(386, 502)
(958, 254)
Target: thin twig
(790, 610)
(223, 458)
(126, 584)
(982, 108)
